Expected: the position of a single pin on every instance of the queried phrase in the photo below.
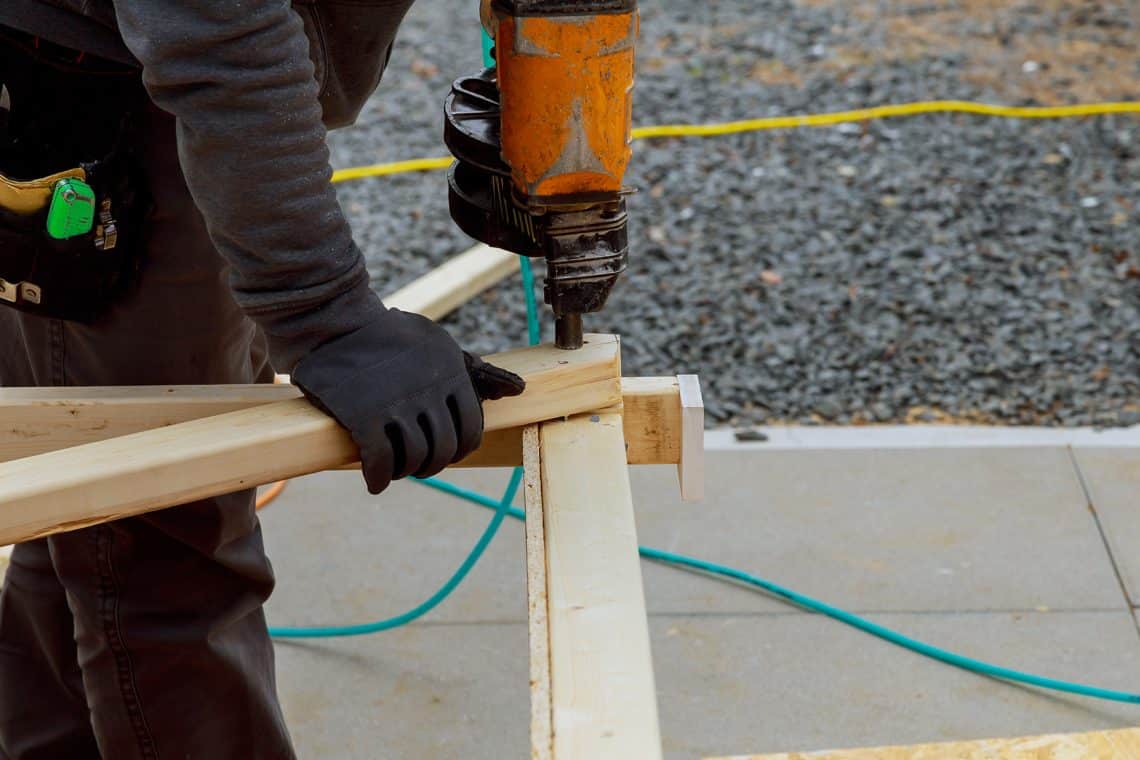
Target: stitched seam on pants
(58, 369)
(109, 615)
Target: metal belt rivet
(30, 292)
(8, 291)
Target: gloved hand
(410, 397)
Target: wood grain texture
(85, 485)
(541, 729)
(601, 674)
(651, 416)
(1122, 744)
(39, 420)
(454, 283)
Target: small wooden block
(691, 468)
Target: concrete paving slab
(904, 530)
(914, 530)
(345, 556)
(933, 531)
(1112, 476)
(425, 691)
(768, 683)
(726, 684)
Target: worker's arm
(238, 79)
(252, 146)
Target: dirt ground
(1048, 52)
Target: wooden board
(97, 482)
(651, 413)
(691, 467)
(602, 692)
(449, 286)
(39, 420)
(1122, 744)
(541, 729)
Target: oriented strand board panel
(85, 485)
(601, 675)
(1123, 744)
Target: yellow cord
(396, 167)
(789, 122)
(883, 112)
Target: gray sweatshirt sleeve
(236, 75)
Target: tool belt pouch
(80, 277)
(66, 119)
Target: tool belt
(71, 194)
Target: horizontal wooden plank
(456, 281)
(39, 420)
(1121, 744)
(84, 485)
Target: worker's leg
(43, 711)
(167, 608)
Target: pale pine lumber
(84, 485)
(39, 420)
(691, 467)
(651, 411)
(1120, 744)
(541, 729)
(601, 675)
(449, 286)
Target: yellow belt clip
(25, 197)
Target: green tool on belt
(72, 209)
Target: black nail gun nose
(542, 145)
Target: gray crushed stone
(930, 268)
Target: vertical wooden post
(601, 688)
(541, 729)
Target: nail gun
(542, 145)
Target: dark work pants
(143, 638)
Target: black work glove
(410, 397)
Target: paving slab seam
(1103, 536)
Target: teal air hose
(503, 509)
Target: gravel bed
(944, 267)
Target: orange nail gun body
(542, 142)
